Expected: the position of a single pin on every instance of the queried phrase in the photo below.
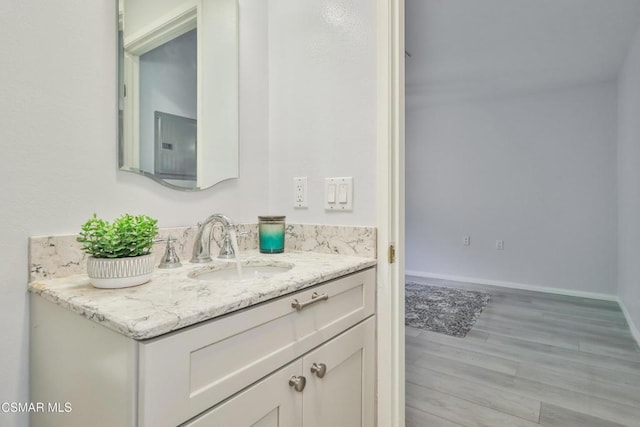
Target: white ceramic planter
(114, 273)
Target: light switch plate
(335, 190)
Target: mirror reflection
(178, 91)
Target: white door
(271, 402)
(340, 380)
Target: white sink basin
(249, 271)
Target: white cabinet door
(342, 395)
(271, 402)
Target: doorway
(512, 170)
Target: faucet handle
(170, 258)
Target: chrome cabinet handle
(298, 383)
(320, 369)
(315, 297)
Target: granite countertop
(172, 300)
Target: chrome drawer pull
(298, 383)
(315, 297)
(320, 369)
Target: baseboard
(514, 285)
(632, 326)
(635, 332)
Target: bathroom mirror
(178, 91)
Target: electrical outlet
(300, 192)
(500, 245)
(466, 241)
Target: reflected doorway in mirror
(165, 50)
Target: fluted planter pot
(114, 273)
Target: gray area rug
(446, 310)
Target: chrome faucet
(201, 247)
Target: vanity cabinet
(234, 370)
(337, 392)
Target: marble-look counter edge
(150, 319)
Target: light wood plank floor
(531, 359)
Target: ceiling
(516, 44)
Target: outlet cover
(300, 195)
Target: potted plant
(119, 251)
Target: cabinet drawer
(185, 373)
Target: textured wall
(322, 110)
(536, 170)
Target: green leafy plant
(127, 236)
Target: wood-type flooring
(531, 359)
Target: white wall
(536, 170)
(322, 109)
(629, 184)
(58, 135)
